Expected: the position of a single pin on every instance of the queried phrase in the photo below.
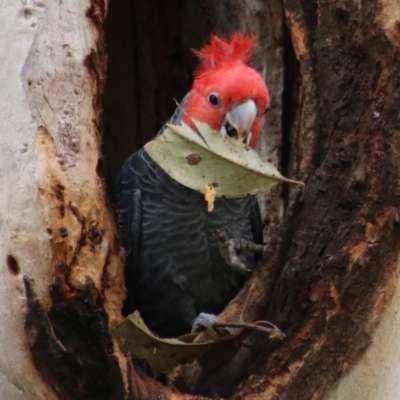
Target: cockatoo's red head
(227, 94)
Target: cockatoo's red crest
(223, 82)
(221, 54)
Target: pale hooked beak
(239, 120)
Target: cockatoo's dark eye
(214, 99)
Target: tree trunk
(62, 280)
(330, 281)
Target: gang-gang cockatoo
(175, 271)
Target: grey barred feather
(174, 266)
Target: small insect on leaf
(210, 196)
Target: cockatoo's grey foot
(203, 321)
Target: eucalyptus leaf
(207, 158)
(164, 354)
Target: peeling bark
(64, 270)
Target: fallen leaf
(134, 337)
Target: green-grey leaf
(232, 167)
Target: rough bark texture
(331, 69)
(62, 270)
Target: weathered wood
(63, 280)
